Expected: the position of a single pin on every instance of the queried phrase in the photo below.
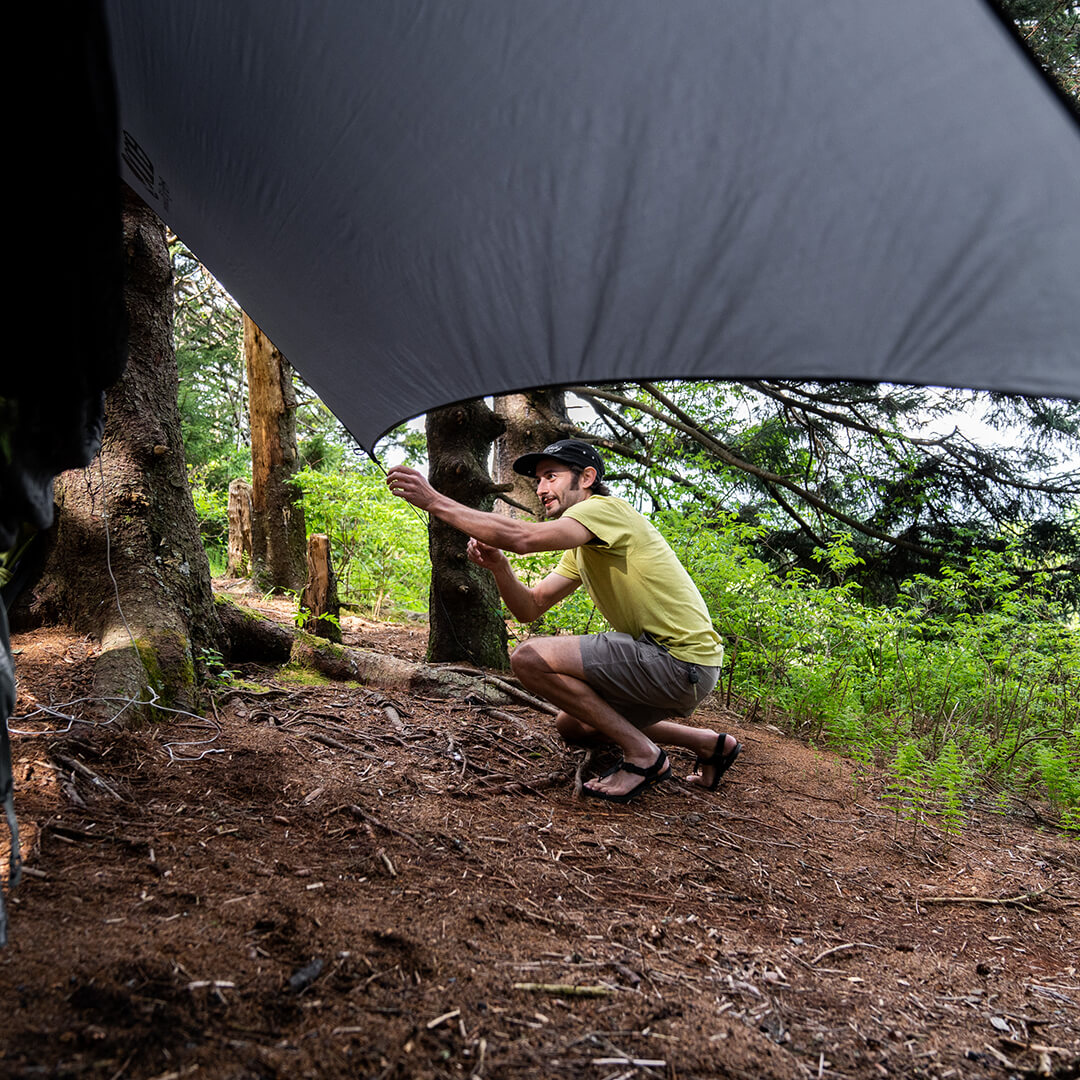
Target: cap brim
(526, 464)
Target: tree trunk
(465, 609)
(533, 420)
(277, 516)
(151, 534)
(239, 564)
(320, 596)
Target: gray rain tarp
(422, 201)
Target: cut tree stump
(319, 597)
(239, 564)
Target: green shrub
(976, 671)
(378, 542)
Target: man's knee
(527, 658)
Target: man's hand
(490, 558)
(412, 486)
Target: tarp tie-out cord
(446, 614)
(153, 700)
(7, 678)
(7, 786)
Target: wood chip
(452, 1015)
(637, 1063)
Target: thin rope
(125, 703)
(426, 519)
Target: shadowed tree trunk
(465, 609)
(279, 545)
(153, 545)
(533, 420)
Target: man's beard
(558, 509)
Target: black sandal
(656, 773)
(719, 761)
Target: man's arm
(509, 534)
(525, 603)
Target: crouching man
(663, 657)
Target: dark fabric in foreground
(70, 250)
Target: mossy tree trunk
(278, 540)
(161, 571)
(533, 420)
(465, 609)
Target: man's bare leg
(552, 668)
(701, 742)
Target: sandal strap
(655, 769)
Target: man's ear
(588, 476)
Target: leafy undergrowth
(967, 688)
(424, 897)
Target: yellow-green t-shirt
(638, 583)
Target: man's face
(557, 487)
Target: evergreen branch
(681, 421)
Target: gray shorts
(643, 681)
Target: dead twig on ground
(841, 948)
(370, 819)
(565, 989)
(579, 776)
(87, 774)
(1008, 901)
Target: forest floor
(426, 897)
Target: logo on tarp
(138, 161)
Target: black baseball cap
(568, 451)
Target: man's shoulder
(610, 519)
(604, 505)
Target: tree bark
(240, 542)
(466, 621)
(533, 420)
(320, 596)
(150, 536)
(277, 516)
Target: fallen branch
(1009, 901)
(565, 989)
(521, 695)
(253, 637)
(87, 774)
(369, 819)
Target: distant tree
(278, 537)
(1051, 29)
(208, 333)
(533, 419)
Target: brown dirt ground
(429, 899)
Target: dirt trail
(432, 901)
